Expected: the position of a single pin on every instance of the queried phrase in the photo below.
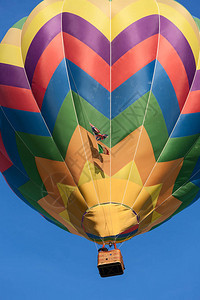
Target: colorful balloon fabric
(130, 68)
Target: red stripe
(134, 60)
(87, 59)
(17, 98)
(5, 162)
(173, 65)
(46, 66)
(193, 103)
(130, 229)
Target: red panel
(46, 66)
(171, 62)
(134, 60)
(192, 104)
(17, 98)
(87, 59)
(5, 162)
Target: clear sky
(40, 261)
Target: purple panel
(196, 83)
(88, 34)
(133, 35)
(13, 76)
(40, 42)
(180, 44)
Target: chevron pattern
(132, 69)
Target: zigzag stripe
(97, 41)
(17, 98)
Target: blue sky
(40, 261)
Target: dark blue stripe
(125, 95)
(27, 122)
(14, 177)
(89, 89)
(166, 97)
(120, 236)
(9, 140)
(188, 124)
(132, 89)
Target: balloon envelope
(100, 114)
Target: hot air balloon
(100, 116)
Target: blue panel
(89, 89)
(122, 97)
(196, 168)
(165, 95)
(25, 121)
(132, 89)
(188, 124)
(196, 181)
(56, 93)
(14, 177)
(9, 140)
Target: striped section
(59, 70)
(42, 39)
(17, 98)
(17, 79)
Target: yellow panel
(65, 191)
(44, 203)
(103, 5)
(198, 66)
(184, 26)
(155, 216)
(11, 55)
(89, 171)
(99, 191)
(134, 176)
(183, 11)
(131, 14)
(65, 216)
(36, 10)
(12, 37)
(108, 220)
(154, 191)
(40, 19)
(91, 13)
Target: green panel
(28, 161)
(129, 120)
(197, 21)
(65, 125)
(121, 126)
(186, 194)
(189, 164)
(20, 23)
(178, 147)
(87, 114)
(40, 146)
(155, 126)
(35, 191)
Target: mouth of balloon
(108, 222)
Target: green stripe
(155, 126)
(177, 148)
(20, 23)
(197, 21)
(189, 164)
(40, 146)
(28, 160)
(35, 191)
(65, 125)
